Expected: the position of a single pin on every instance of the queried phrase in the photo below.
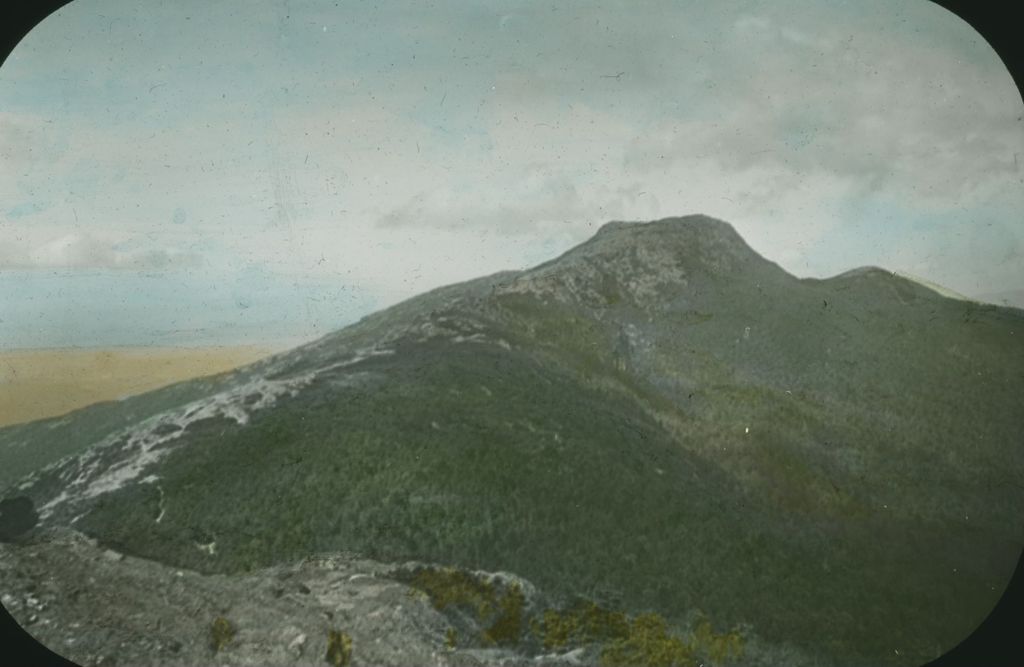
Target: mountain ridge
(660, 396)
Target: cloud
(79, 250)
(406, 147)
(907, 117)
(534, 204)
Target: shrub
(622, 640)
(450, 587)
(339, 648)
(648, 644)
(644, 640)
(507, 628)
(501, 612)
(584, 623)
(718, 647)
(222, 631)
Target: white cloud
(396, 155)
(80, 250)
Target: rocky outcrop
(96, 606)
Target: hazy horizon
(252, 173)
(41, 383)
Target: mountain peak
(696, 222)
(906, 283)
(648, 261)
(691, 238)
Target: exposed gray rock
(133, 611)
(296, 645)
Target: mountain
(1013, 298)
(659, 419)
(938, 289)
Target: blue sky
(264, 172)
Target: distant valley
(38, 383)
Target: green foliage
(720, 648)
(499, 610)
(485, 491)
(452, 587)
(584, 623)
(877, 424)
(648, 644)
(555, 630)
(643, 640)
(608, 288)
(57, 437)
(222, 631)
(451, 639)
(507, 628)
(339, 648)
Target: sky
(266, 171)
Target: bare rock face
(641, 265)
(94, 609)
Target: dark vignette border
(995, 642)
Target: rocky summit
(682, 454)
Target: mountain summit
(659, 418)
(646, 263)
(695, 236)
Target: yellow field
(45, 383)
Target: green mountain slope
(660, 417)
